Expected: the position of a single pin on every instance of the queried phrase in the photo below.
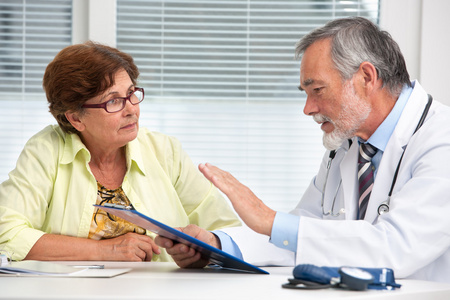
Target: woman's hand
(128, 247)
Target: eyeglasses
(117, 104)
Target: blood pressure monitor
(355, 278)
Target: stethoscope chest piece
(383, 208)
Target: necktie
(365, 176)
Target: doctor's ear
(369, 75)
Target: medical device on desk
(307, 276)
(384, 207)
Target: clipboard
(217, 256)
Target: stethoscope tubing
(385, 206)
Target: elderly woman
(97, 154)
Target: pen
(89, 266)
(113, 205)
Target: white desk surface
(152, 280)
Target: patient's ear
(75, 120)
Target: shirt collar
(134, 155)
(73, 145)
(381, 136)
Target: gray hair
(356, 40)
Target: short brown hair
(81, 72)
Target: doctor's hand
(184, 256)
(250, 208)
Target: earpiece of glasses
(117, 104)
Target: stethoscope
(383, 207)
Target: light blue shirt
(227, 244)
(381, 136)
(285, 226)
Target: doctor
(358, 90)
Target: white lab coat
(413, 238)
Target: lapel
(394, 149)
(348, 169)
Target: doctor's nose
(311, 107)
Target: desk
(150, 280)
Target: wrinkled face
(104, 130)
(353, 111)
(332, 102)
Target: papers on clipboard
(217, 256)
(45, 268)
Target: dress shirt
(52, 189)
(227, 244)
(381, 136)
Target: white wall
(435, 48)
(421, 29)
(94, 20)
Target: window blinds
(31, 33)
(218, 75)
(221, 77)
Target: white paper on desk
(29, 268)
(99, 273)
(38, 268)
